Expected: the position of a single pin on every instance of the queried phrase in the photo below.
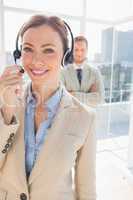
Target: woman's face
(42, 52)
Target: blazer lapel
(73, 78)
(48, 154)
(85, 79)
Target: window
(94, 33)
(17, 20)
(74, 25)
(109, 10)
(58, 6)
(123, 61)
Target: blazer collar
(53, 136)
(85, 74)
(47, 156)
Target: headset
(68, 53)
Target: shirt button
(23, 196)
(12, 135)
(7, 146)
(4, 151)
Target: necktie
(79, 75)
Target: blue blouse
(34, 141)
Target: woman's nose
(37, 59)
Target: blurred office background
(108, 26)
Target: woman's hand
(10, 82)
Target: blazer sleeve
(100, 86)
(7, 135)
(85, 167)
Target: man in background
(82, 80)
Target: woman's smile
(39, 72)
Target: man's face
(80, 51)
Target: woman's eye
(27, 49)
(48, 51)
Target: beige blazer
(90, 76)
(70, 142)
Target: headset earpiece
(16, 54)
(68, 57)
(68, 54)
(17, 51)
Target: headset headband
(68, 54)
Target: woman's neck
(43, 93)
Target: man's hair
(81, 39)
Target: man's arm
(98, 86)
